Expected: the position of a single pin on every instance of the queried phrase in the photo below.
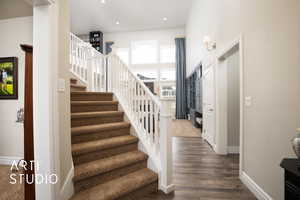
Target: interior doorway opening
(229, 101)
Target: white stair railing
(87, 64)
(97, 71)
(141, 105)
(79, 54)
(150, 116)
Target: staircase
(108, 164)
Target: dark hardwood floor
(200, 174)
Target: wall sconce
(209, 44)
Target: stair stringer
(153, 160)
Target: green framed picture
(9, 78)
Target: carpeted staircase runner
(108, 164)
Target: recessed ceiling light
(165, 19)
(117, 22)
(103, 1)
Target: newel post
(165, 142)
(111, 66)
(90, 69)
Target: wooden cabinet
(96, 40)
(291, 178)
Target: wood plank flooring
(184, 128)
(201, 174)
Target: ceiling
(14, 8)
(133, 15)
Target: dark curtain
(108, 48)
(181, 97)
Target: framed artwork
(9, 78)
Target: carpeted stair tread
(87, 103)
(94, 168)
(98, 145)
(95, 114)
(73, 80)
(91, 93)
(77, 86)
(91, 96)
(119, 187)
(98, 128)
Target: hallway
(201, 174)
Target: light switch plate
(61, 85)
(248, 101)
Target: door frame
(210, 68)
(221, 112)
(45, 107)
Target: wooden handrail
(28, 122)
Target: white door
(209, 106)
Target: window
(167, 74)
(123, 53)
(144, 52)
(167, 54)
(168, 91)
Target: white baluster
(151, 113)
(156, 128)
(90, 73)
(147, 116)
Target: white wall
(233, 101)
(14, 32)
(52, 108)
(271, 32)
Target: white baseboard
(209, 140)
(167, 189)
(233, 149)
(254, 188)
(7, 160)
(67, 189)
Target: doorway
(208, 132)
(229, 101)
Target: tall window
(167, 74)
(167, 54)
(123, 53)
(144, 52)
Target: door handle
(211, 110)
